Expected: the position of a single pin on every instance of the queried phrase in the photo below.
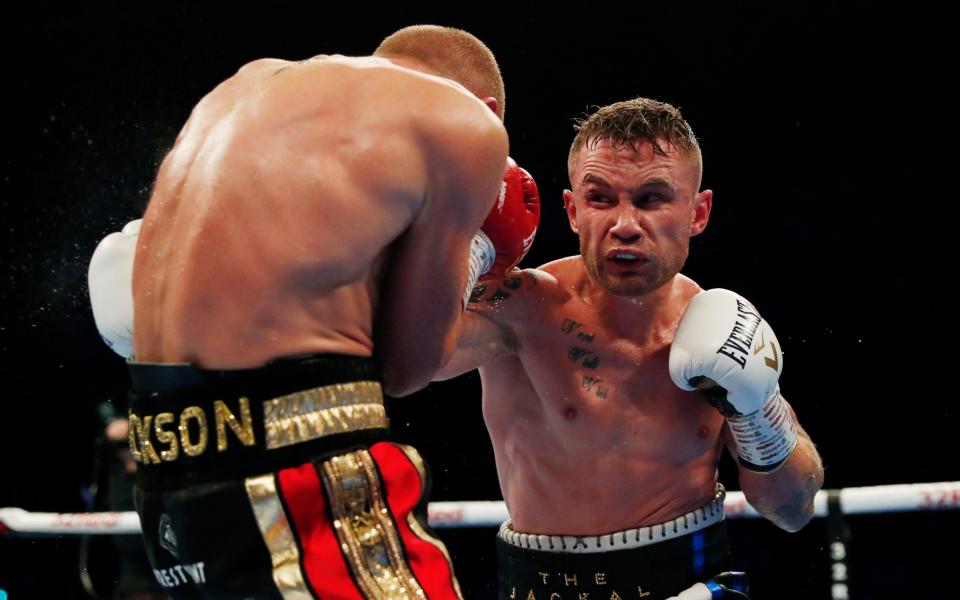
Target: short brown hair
(632, 120)
(451, 53)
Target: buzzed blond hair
(451, 53)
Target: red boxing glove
(512, 222)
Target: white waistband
(691, 522)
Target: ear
(571, 208)
(492, 104)
(702, 204)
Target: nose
(627, 228)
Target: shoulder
(457, 124)
(686, 285)
(684, 289)
(568, 269)
(443, 111)
(263, 63)
(541, 282)
(524, 293)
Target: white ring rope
(853, 501)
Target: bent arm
(428, 273)
(784, 496)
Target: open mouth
(625, 258)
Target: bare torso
(590, 434)
(270, 222)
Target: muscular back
(270, 227)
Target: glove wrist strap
(765, 438)
(482, 256)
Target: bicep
(427, 277)
(420, 302)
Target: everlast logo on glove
(159, 438)
(738, 344)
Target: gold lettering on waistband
(567, 579)
(147, 453)
(530, 595)
(243, 430)
(288, 420)
(554, 596)
(584, 596)
(543, 576)
(615, 596)
(328, 410)
(642, 593)
(133, 425)
(166, 437)
(513, 593)
(600, 578)
(190, 448)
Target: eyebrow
(656, 182)
(591, 178)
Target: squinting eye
(651, 199)
(598, 198)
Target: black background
(828, 136)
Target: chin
(623, 287)
(633, 285)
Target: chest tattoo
(585, 357)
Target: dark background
(828, 136)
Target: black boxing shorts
(278, 482)
(647, 563)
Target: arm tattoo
(512, 282)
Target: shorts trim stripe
(278, 537)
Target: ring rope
(853, 501)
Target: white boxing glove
(722, 339)
(110, 279)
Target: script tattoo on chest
(587, 358)
(591, 383)
(584, 356)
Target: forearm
(479, 340)
(785, 496)
(780, 470)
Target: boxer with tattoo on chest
(606, 453)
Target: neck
(410, 63)
(640, 317)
